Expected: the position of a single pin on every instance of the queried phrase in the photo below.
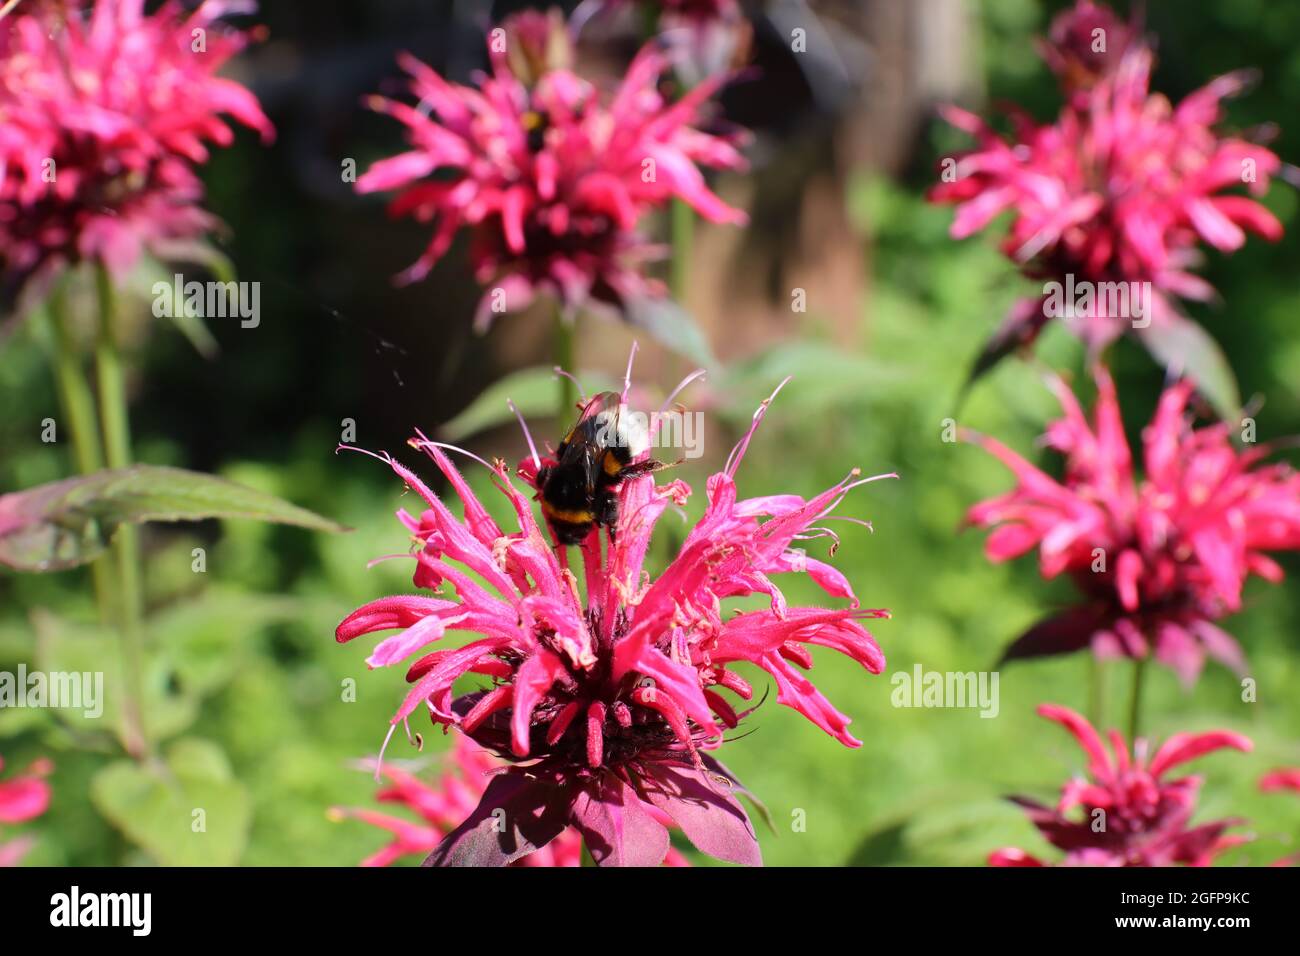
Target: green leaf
(533, 390)
(68, 523)
(185, 812)
(1185, 348)
(672, 327)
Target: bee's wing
(603, 402)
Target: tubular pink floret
(595, 734)
(582, 393)
(737, 453)
(627, 374)
(528, 436)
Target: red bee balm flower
(1121, 188)
(607, 708)
(1131, 817)
(22, 798)
(103, 112)
(1157, 560)
(551, 178)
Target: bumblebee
(599, 453)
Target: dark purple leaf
(701, 804)
(718, 767)
(1058, 831)
(1019, 330)
(1061, 633)
(617, 827)
(516, 816)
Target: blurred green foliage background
(246, 678)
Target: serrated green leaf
(68, 523)
(187, 812)
(1185, 348)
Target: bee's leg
(647, 467)
(607, 511)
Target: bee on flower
(608, 700)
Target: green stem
(117, 444)
(564, 358)
(79, 412)
(587, 858)
(74, 388)
(1135, 703)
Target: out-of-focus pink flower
(1085, 43)
(1122, 187)
(104, 111)
(1158, 560)
(22, 798)
(703, 36)
(441, 807)
(608, 705)
(698, 9)
(1131, 816)
(550, 177)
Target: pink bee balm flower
(608, 700)
(550, 178)
(22, 798)
(1123, 187)
(1130, 815)
(104, 111)
(1158, 560)
(442, 806)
